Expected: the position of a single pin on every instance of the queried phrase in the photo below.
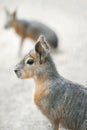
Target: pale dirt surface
(69, 19)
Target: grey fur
(66, 102)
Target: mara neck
(47, 72)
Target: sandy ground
(69, 20)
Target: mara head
(10, 18)
(35, 61)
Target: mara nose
(16, 71)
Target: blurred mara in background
(30, 29)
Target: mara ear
(6, 11)
(42, 49)
(14, 13)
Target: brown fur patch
(23, 34)
(32, 36)
(56, 121)
(40, 93)
(26, 75)
(56, 124)
(18, 30)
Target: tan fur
(25, 75)
(40, 92)
(18, 30)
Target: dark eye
(30, 61)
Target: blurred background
(68, 18)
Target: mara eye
(30, 62)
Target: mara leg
(55, 125)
